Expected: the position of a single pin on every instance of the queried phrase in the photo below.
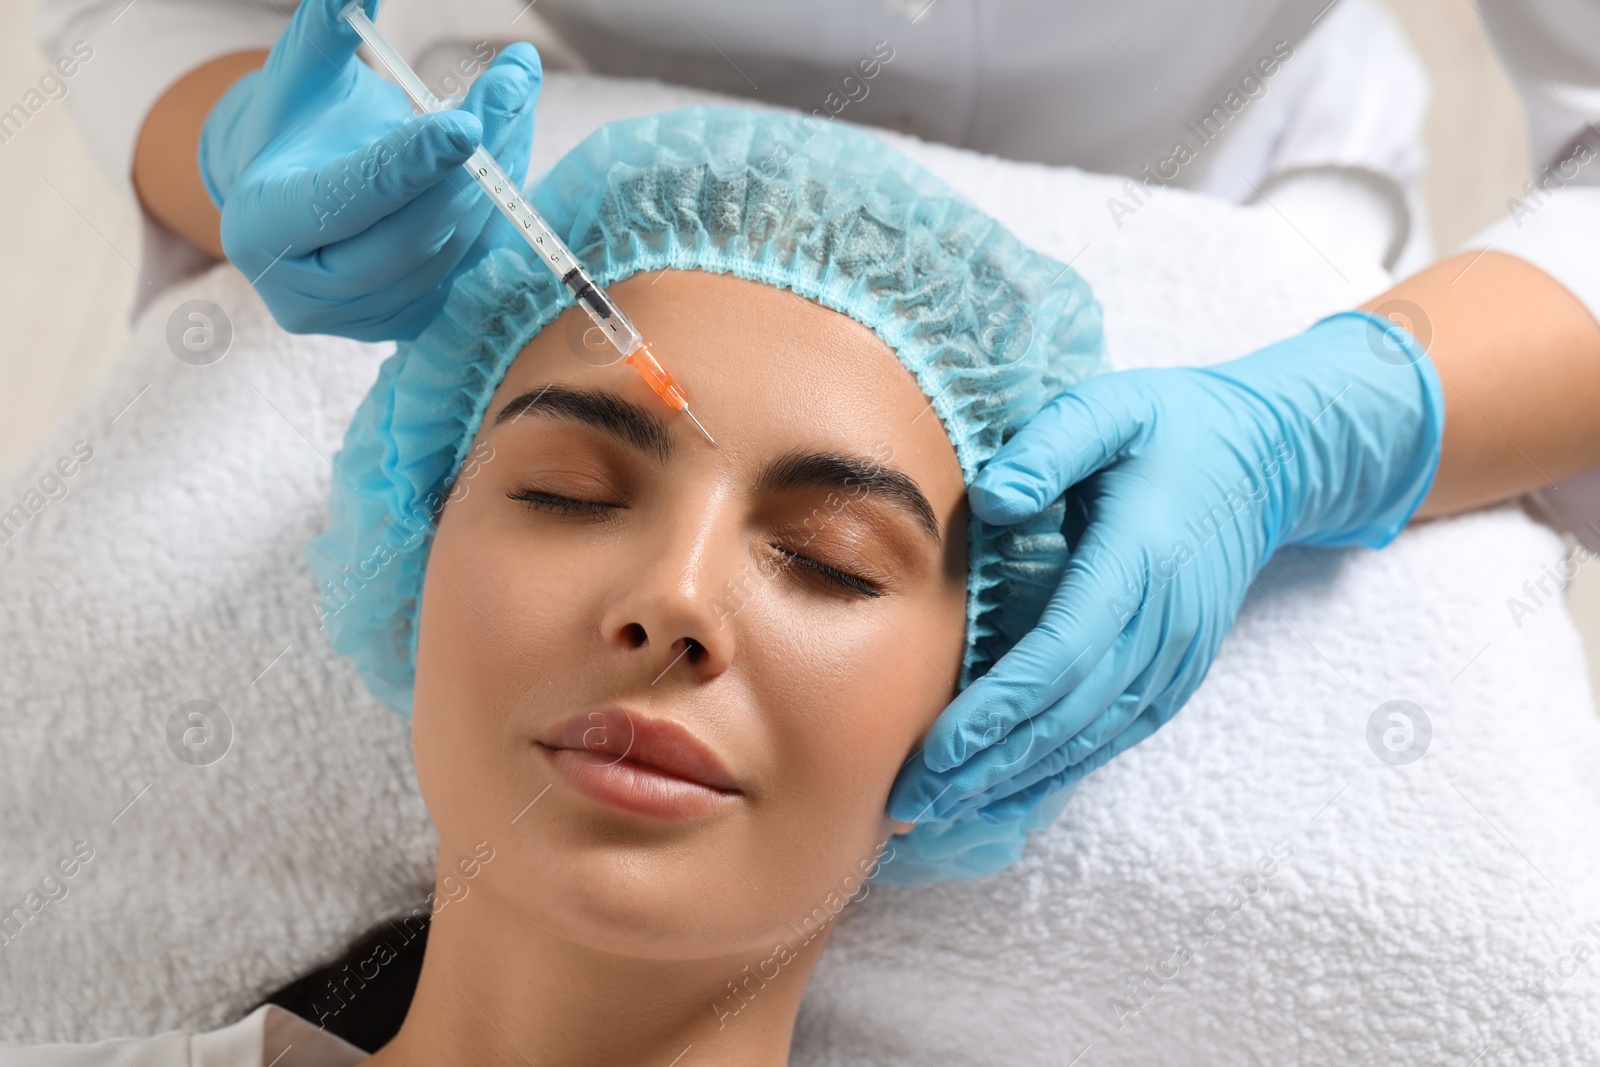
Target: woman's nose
(670, 608)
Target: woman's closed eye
(563, 505)
(843, 579)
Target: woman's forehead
(766, 370)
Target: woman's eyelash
(569, 506)
(837, 577)
(565, 505)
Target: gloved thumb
(1076, 434)
(311, 58)
(503, 98)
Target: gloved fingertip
(1000, 501)
(328, 13)
(499, 99)
(914, 797)
(908, 806)
(942, 758)
(518, 81)
(460, 131)
(525, 56)
(901, 810)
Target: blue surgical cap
(991, 329)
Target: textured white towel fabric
(1252, 885)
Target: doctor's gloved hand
(1184, 482)
(350, 214)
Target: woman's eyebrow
(853, 475)
(607, 412)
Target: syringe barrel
(514, 206)
(554, 252)
(603, 310)
(414, 87)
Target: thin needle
(696, 421)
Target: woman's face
(773, 625)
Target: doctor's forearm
(165, 171)
(1519, 358)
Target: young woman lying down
(660, 690)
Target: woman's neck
(495, 989)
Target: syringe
(547, 247)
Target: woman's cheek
(838, 737)
(498, 607)
(859, 697)
(527, 573)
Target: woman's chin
(645, 902)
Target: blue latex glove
(350, 214)
(1331, 437)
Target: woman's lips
(647, 766)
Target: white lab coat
(267, 1037)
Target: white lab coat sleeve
(1558, 232)
(1562, 238)
(1551, 49)
(137, 50)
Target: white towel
(1415, 914)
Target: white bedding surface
(1414, 914)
